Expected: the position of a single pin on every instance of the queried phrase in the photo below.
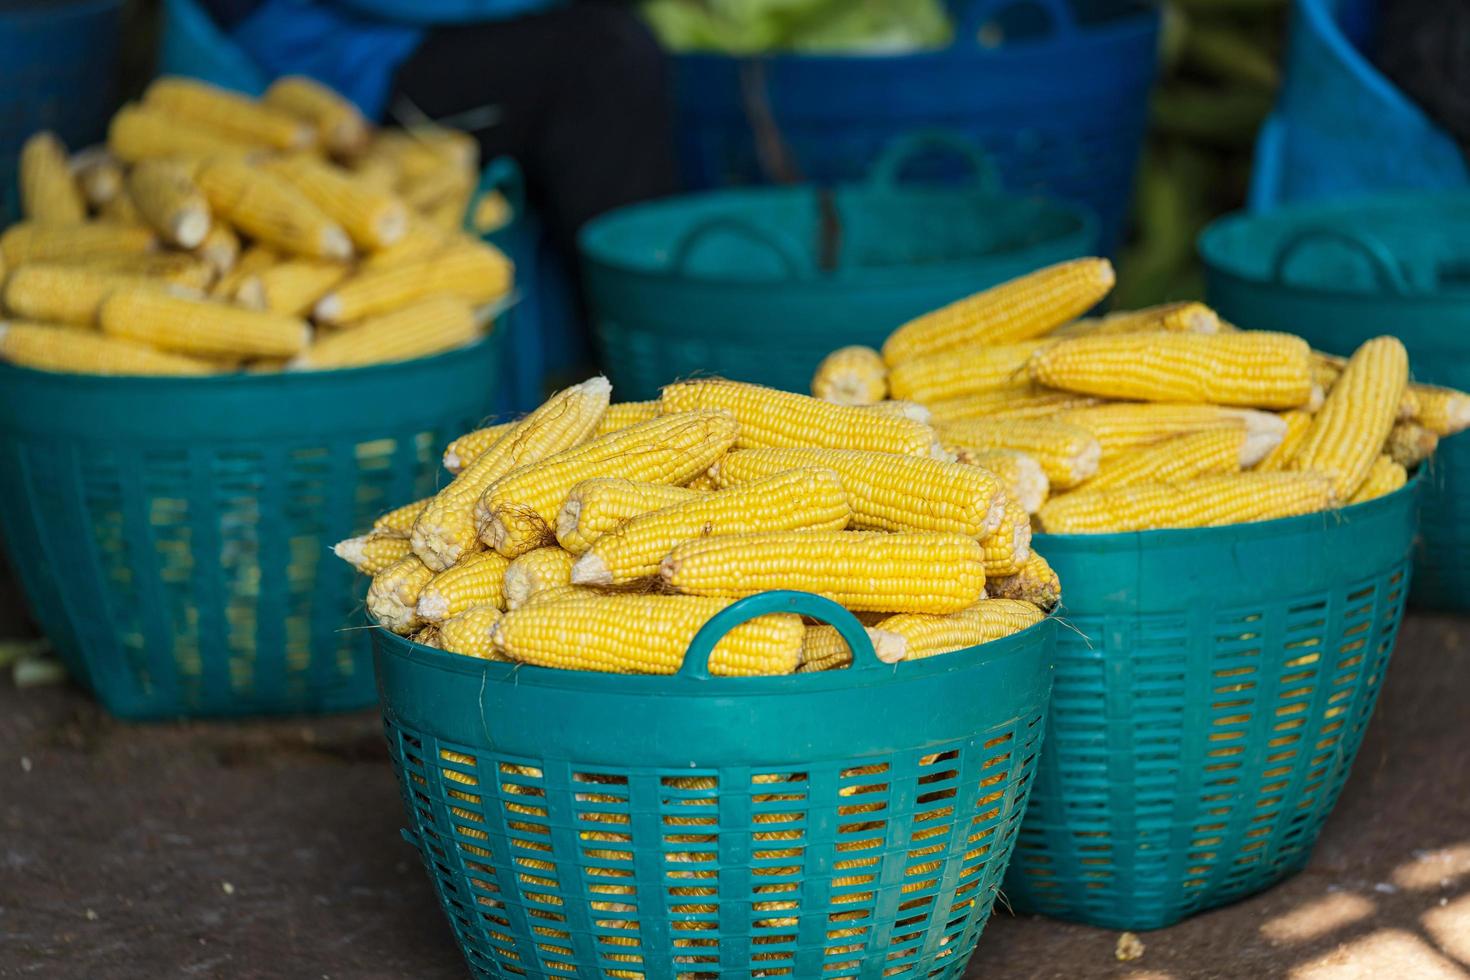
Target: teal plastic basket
(761, 284)
(1209, 702)
(1340, 273)
(843, 824)
(173, 535)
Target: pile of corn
(602, 537)
(218, 233)
(1164, 417)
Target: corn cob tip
(1264, 431)
(352, 551)
(591, 569)
(1316, 399)
(327, 309)
(336, 244)
(596, 387)
(890, 647)
(903, 409)
(452, 462)
(433, 606)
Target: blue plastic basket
(58, 71)
(1341, 128)
(173, 535)
(846, 824)
(731, 282)
(1340, 273)
(1062, 105)
(1208, 706)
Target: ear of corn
(1443, 411)
(1237, 498)
(595, 507)
(447, 529)
(144, 133)
(1327, 368)
(65, 294)
(372, 553)
(771, 418)
(1026, 400)
(468, 447)
(1298, 423)
(199, 327)
(33, 242)
(340, 127)
(1410, 444)
(471, 634)
(823, 648)
(1173, 317)
(400, 520)
(623, 415)
(1384, 477)
(903, 409)
(851, 376)
(372, 217)
(419, 241)
(253, 261)
(220, 248)
(121, 211)
(61, 349)
(537, 571)
(97, 174)
(393, 596)
(48, 193)
(430, 326)
(803, 499)
(1069, 454)
(178, 269)
(860, 570)
(1249, 369)
(1036, 582)
(1023, 308)
(1349, 433)
(472, 271)
(1008, 547)
(1019, 473)
(235, 116)
(293, 287)
(475, 580)
(1122, 426)
(922, 635)
(166, 196)
(644, 634)
(1182, 457)
(271, 211)
(963, 371)
(518, 512)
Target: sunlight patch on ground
(1433, 870)
(1449, 926)
(1387, 953)
(1315, 919)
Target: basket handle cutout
(696, 660)
(792, 259)
(901, 152)
(972, 18)
(1390, 274)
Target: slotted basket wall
(1207, 708)
(173, 535)
(844, 824)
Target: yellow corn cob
(449, 214)
(559, 592)
(1298, 423)
(469, 634)
(48, 194)
(861, 570)
(1127, 425)
(537, 571)
(178, 269)
(393, 596)
(702, 483)
(372, 553)
(1026, 400)
(63, 349)
(626, 414)
(923, 635)
(1017, 310)
(963, 371)
(796, 500)
(771, 418)
(271, 211)
(340, 127)
(293, 287)
(220, 248)
(1384, 477)
(1182, 457)
(1019, 474)
(1008, 547)
(427, 192)
(420, 241)
(468, 447)
(430, 326)
(1349, 433)
(400, 520)
(472, 271)
(1176, 317)
(166, 196)
(492, 212)
(199, 327)
(195, 104)
(1251, 369)
(97, 174)
(851, 376)
(423, 150)
(253, 261)
(644, 634)
(1036, 583)
(477, 579)
(121, 211)
(372, 217)
(595, 507)
(887, 492)
(519, 512)
(1443, 411)
(139, 133)
(32, 242)
(65, 294)
(1068, 454)
(902, 409)
(1237, 498)
(447, 527)
(1327, 368)
(1410, 444)
(823, 648)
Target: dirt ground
(271, 850)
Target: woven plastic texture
(1055, 90)
(173, 536)
(1339, 273)
(1207, 709)
(58, 71)
(845, 824)
(1340, 127)
(746, 284)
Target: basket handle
(971, 17)
(782, 246)
(1385, 266)
(503, 175)
(901, 152)
(696, 660)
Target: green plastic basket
(1340, 273)
(1208, 706)
(843, 824)
(173, 535)
(740, 283)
